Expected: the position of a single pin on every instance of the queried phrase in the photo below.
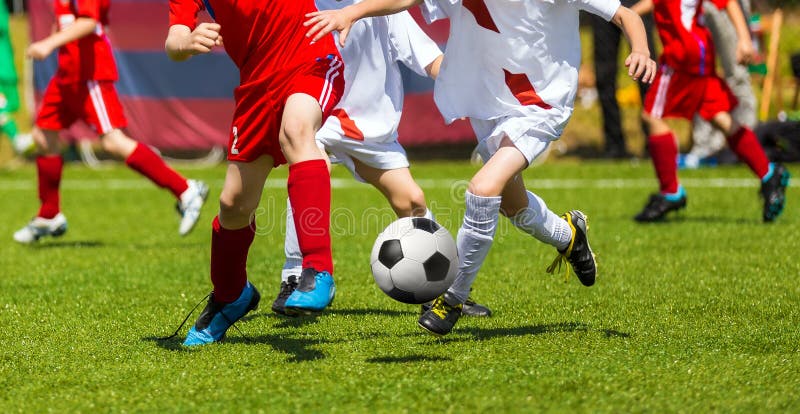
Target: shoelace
(441, 308)
(174, 334)
(562, 258)
(286, 289)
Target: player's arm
(433, 68)
(326, 21)
(82, 26)
(639, 63)
(183, 42)
(744, 45)
(643, 7)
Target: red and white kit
(521, 61)
(686, 83)
(364, 123)
(83, 87)
(266, 41)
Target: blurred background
(166, 109)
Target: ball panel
(424, 224)
(446, 245)
(436, 267)
(382, 277)
(418, 245)
(408, 275)
(391, 252)
(403, 296)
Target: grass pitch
(698, 314)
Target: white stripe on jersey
(99, 106)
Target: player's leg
(103, 110)
(293, 265)
(475, 237)
(233, 231)
(567, 233)
(774, 177)
(309, 191)
(49, 221)
(665, 98)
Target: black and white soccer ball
(414, 260)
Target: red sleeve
(88, 8)
(184, 12)
(721, 4)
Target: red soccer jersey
(90, 57)
(261, 37)
(688, 46)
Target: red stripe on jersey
(481, 12)
(523, 90)
(348, 125)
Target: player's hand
(641, 67)
(203, 38)
(744, 52)
(39, 50)
(326, 21)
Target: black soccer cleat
(470, 308)
(657, 207)
(773, 191)
(578, 253)
(287, 287)
(441, 317)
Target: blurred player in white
(362, 131)
(512, 68)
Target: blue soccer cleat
(216, 318)
(314, 293)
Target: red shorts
(94, 102)
(259, 106)
(677, 94)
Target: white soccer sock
(541, 223)
(473, 241)
(294, 258)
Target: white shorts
(380, 155)
(522, 131)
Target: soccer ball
(414, 260)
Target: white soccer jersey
(372, 102)
(512, 58)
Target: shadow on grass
(408, 358)
(302, 320)
(483, 334)
(298, 349)
(58, 244)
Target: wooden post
(772, 64)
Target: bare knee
(235, 209)
(296, 134)
(484, 188)
(410, 203)
(47, 142)
(117, 143)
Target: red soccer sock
(229, 250)
(664, 151)
(745, 144)
(309, 188)
(49, 174)
(146, 162)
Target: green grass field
(698, 314)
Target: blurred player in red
(687, 84)
(83, 89)
(287, 89)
